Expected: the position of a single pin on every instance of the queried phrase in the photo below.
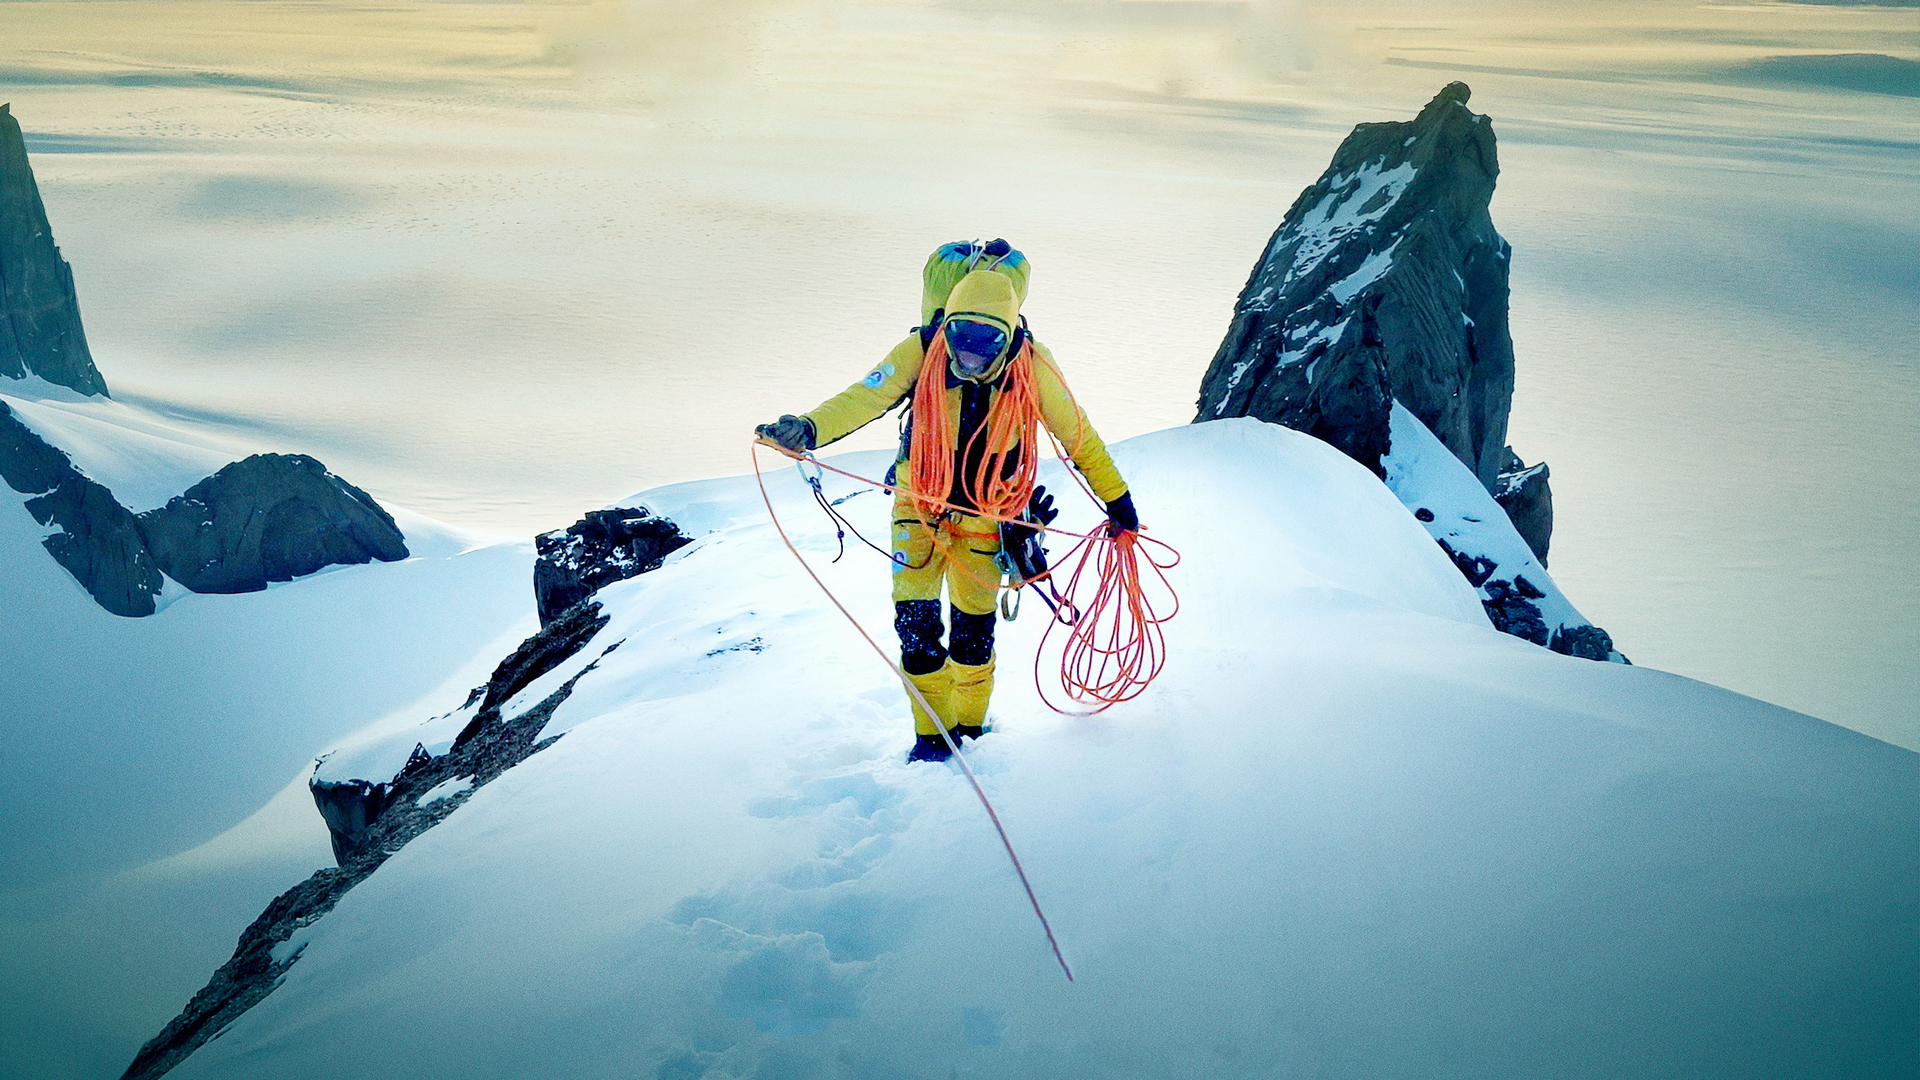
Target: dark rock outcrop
(99, 541)
(40, 329)
(1386, 280)
(351, 807)
(270, 517)
(1587, 643)
(1522, 491)
(604, 547)
(489, 746)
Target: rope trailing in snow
(952, 744)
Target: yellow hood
(987, 297)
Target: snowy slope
(145, 779)
(1352, 831)
(132, 739)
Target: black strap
(933, 327)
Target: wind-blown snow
(1371, 269)
(1352, 830)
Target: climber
(969, 440)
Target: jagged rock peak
(40, 332)
(1385, 280)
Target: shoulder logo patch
(878, 376)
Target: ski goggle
(974, 346)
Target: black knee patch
(972, 637)
(918, 624)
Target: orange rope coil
(996, 492)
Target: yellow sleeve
(1068, 422)
(865, 401)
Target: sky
(502, 263)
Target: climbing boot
(972, 685)
(928, 748)
(937, 688)
(966, 731)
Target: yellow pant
(962, 559)
(957, 553)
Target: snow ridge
(1351, 829)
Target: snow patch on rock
(1475, 531)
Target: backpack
(951, 262)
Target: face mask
(974, 346)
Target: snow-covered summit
(1350, 831)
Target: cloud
(1870, 73)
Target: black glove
(1020, 539)
(1040, 505)
(1040, 509)
(1120, 515)
(793, 432)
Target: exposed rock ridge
(1519, 596)
(489, 746)
(352, 806)
(369, 819)
(1386, 280)
(266, 518)
(40, 332)
(99, 541)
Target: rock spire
(40, 331)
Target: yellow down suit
(958, 681)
